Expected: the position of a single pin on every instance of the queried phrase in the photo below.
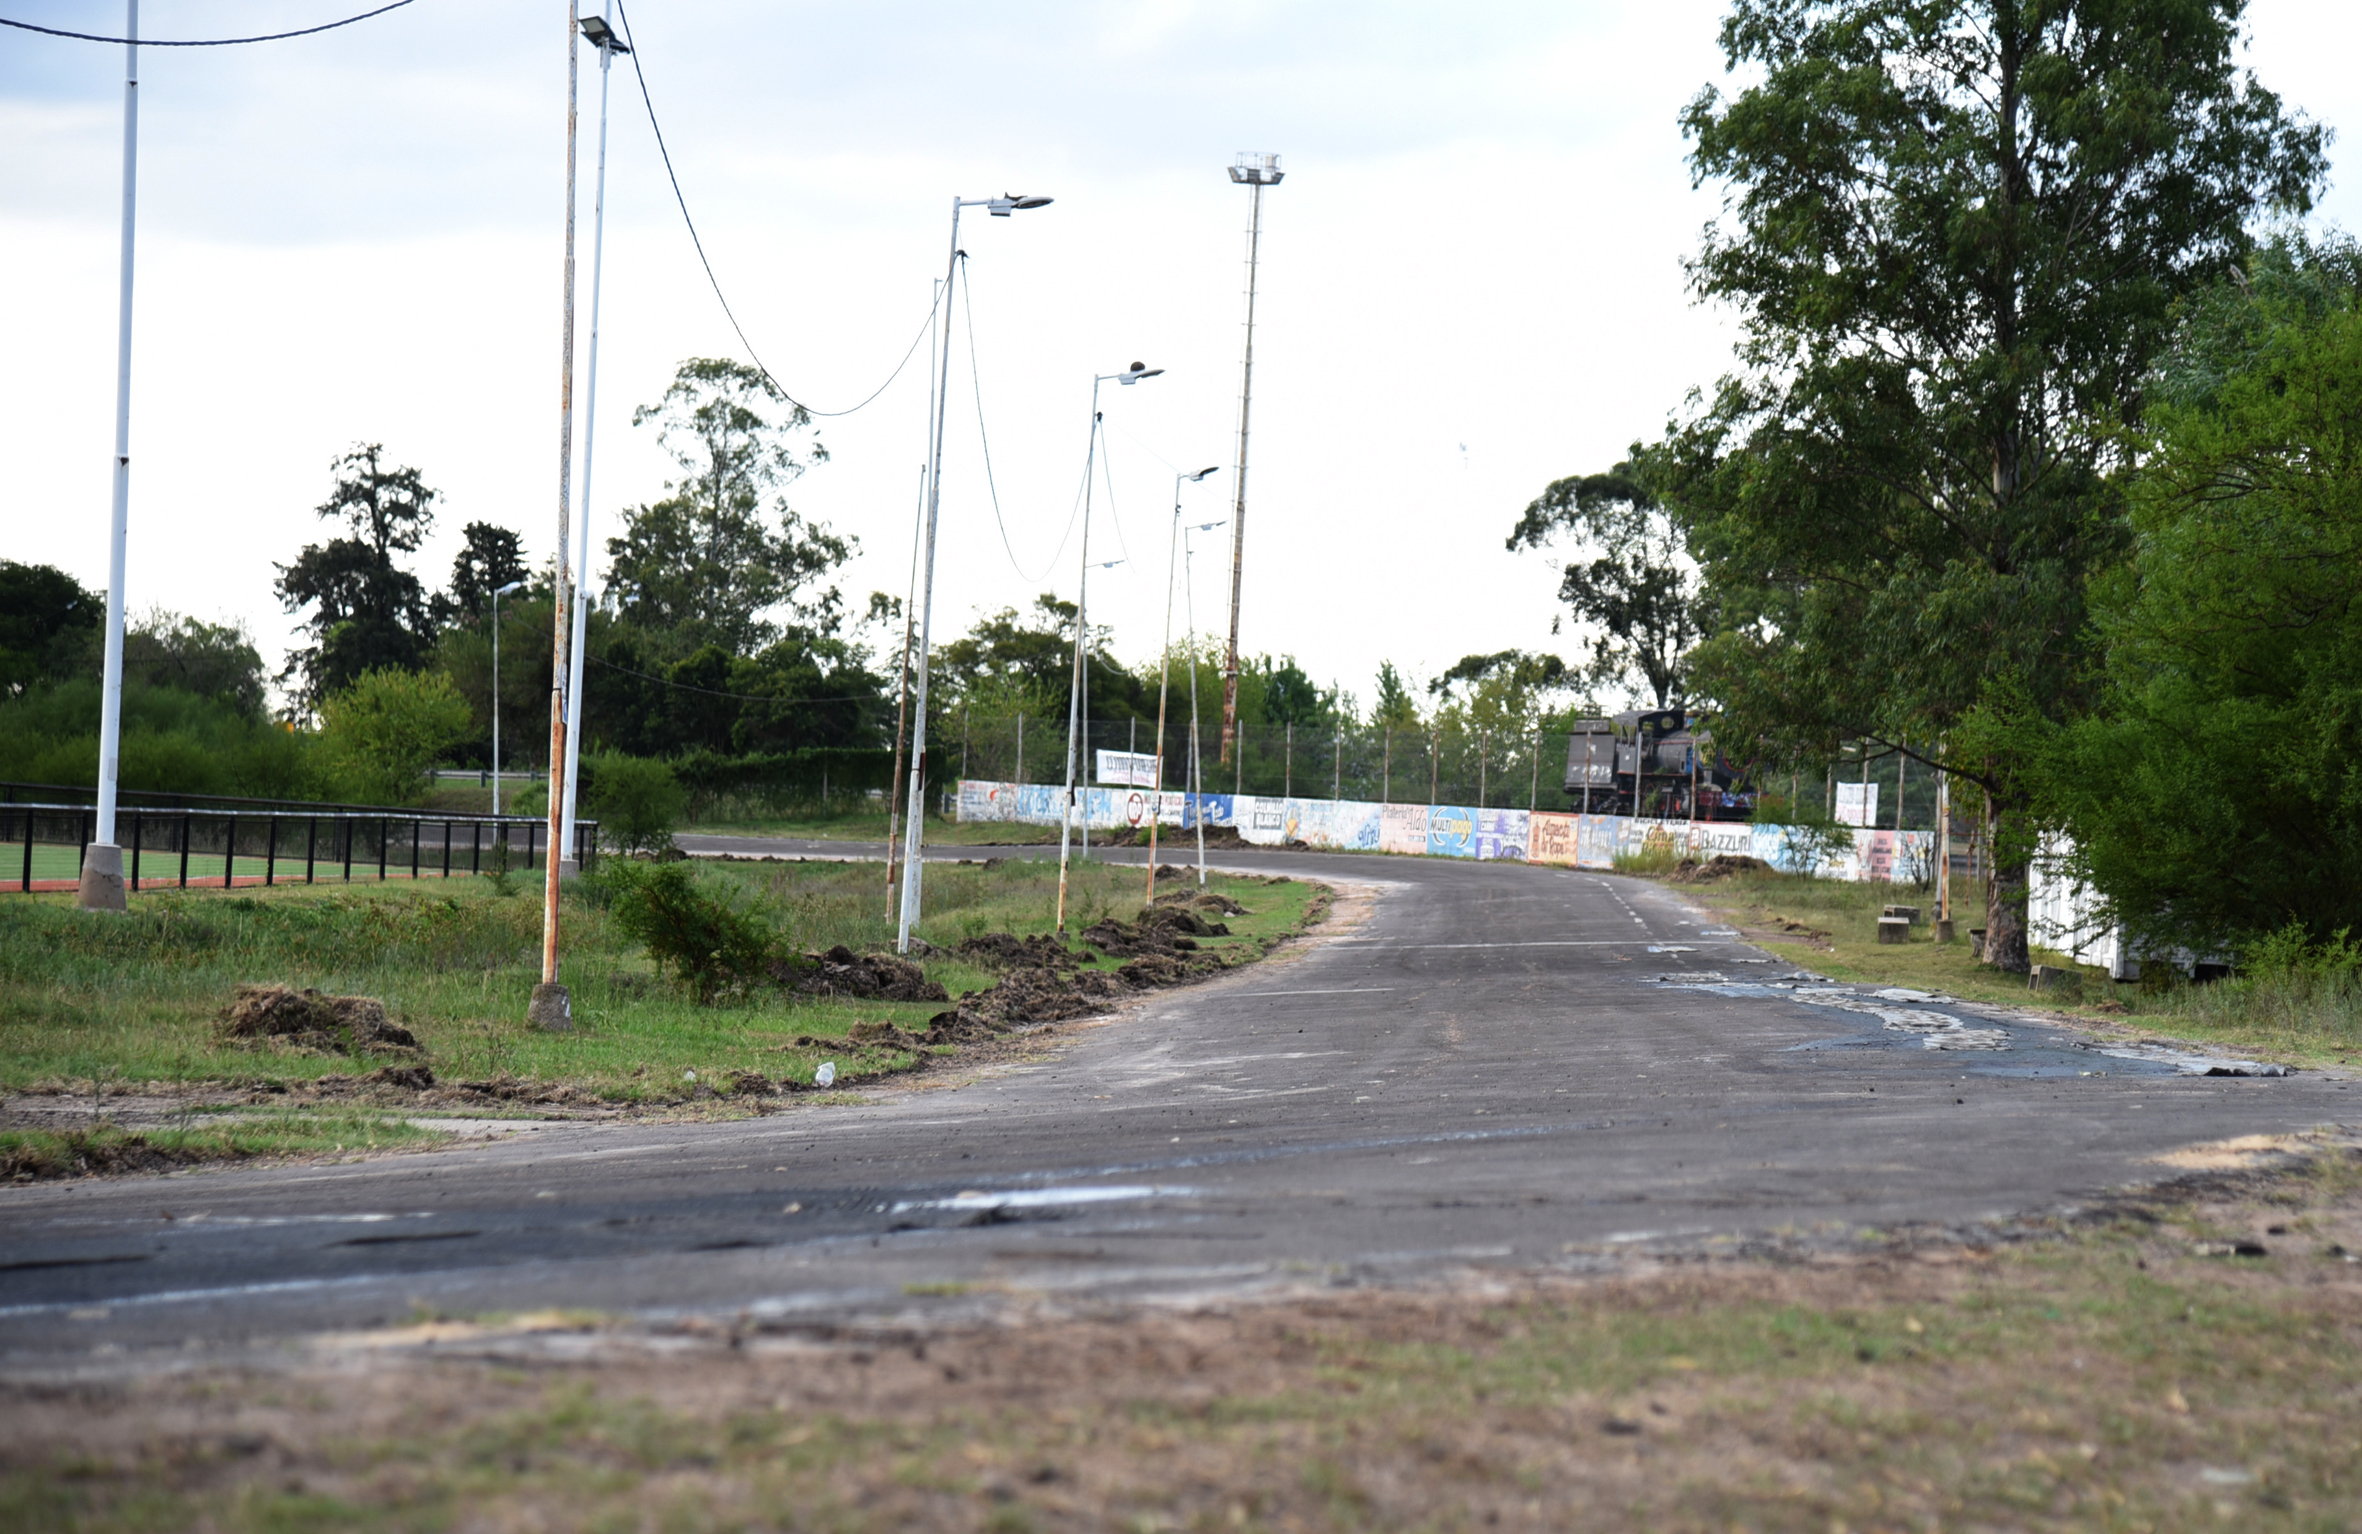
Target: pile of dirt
(868, 976)
(1162, 929)
(1003, 950)
(1042, 995)
(407, 1078)
(292, 1019)
(1209, 901)
(98, 1153)
(1720, 866)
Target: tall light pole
(1082, 633)
(1164, 670)
(551, 1006)
(497, 593)
(604, 39)
(102, 862)
(912, 873)
(1254, 171)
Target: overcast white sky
(1471, 280)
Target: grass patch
(28, 1155)
(130, 1002)
(2108, 1377)
(1831, 926)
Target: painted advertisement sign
(1260, 820)
(1502, 834)
(1550, 838)
(1402, 828)
(1128, 769)
(1451, 831)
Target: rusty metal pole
(551, 1007)
(902, 684)
(1254, 171)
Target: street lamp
(1197, 797)
(999, 207)
(1165, 665)
(1082, 632)
(101, 884)
(497, 591)
(603, 38)
(1254, 171)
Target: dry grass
(2113, 1377)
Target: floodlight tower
(1255, 171)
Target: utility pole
(102, 861)
(604, 39)
(551, 1007)
(1254, 171)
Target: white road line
(1555, 942)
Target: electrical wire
(200, 42)
(1107, 478)
(976, 388)
(671, 175)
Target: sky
(1471, 284)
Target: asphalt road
(1485, 1065)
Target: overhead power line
(199, 42)
(657, 128)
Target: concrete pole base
(102, 879)
(569, 869)
(552, 1008)
(1944, 929)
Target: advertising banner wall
(1451, 831)
(1544, 836)
(1260, 820)
(1550, 838)
(1402, 828)
(1502, 834)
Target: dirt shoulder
(2184, 1357)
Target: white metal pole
(1164, 677)
(913, 870)
(1197, 783)
(496, 702)
(590, 427)
(102, 863)
(1074, 691)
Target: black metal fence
(223, 846)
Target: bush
(381, 737)
(636, 801)
(708, 943)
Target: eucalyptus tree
(1954, 233)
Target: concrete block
(1944, 932)
(1894, 929)
(2057, 980)
(1908, 913)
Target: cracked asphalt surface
(1476, 1066)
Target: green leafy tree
(1509, 694)
(2216, 794)
(45, 615)
(723, 558)
(1396, 707)
(1630, 578)
(381, 737)
(215, 661)
(1954, 234)
(366, 612)
(489, 558)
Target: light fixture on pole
(912, 872)
(101, 887)
(604, 39)
(551, 1006)
(1082, 634)
(497, 593)
(1254, 171)
(1164, 671)
(1197, 782)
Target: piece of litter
(826, 1076)
(688, 1075)
(2214, 1477)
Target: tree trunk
(2005, 894)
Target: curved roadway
(1480, 1065)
